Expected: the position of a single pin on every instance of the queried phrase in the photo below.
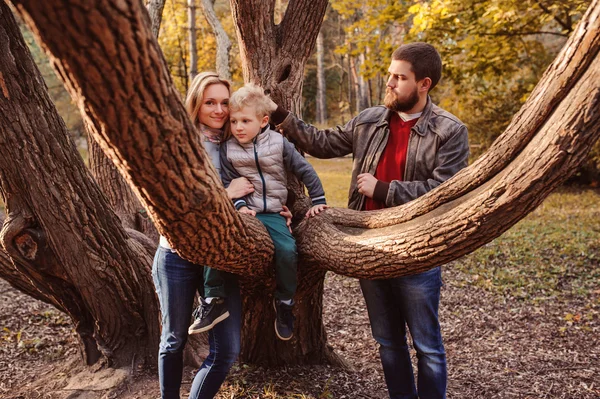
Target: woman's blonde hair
(253, 96)
(193, 101)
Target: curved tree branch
(139, 121)
(542, 147)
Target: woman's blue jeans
(414, 301)
(177, 281)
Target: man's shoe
(284, 320)
(208, 315)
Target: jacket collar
(421, 125)
(260, 134)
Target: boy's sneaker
(208, 315)
(284, 320)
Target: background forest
(494, 53)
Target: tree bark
(321, 85)
(136, 115)
(155, 11)
(223, 41)
(193, 48)
(60, 232)
(274, 55)
(120, 196)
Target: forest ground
(520, 319)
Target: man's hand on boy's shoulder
(247, 211)
(315, 210)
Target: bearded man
(400, 151)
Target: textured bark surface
(113, 68)
(223, 41)
(274, 56)
(59, 229)
(155, 11)
(193, 49)
(120, 196)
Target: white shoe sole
(192, 330)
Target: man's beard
(393, 103)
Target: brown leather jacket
(438, 148)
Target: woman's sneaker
(284, 320)
(208, 315)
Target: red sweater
(392, 162)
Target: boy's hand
(288, 217)
(315, 210)
(247, 211)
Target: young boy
(265, 157)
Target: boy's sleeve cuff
(381, 190)
(239, 204)
(279, 115)
(319, 200)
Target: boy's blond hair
(251, 95)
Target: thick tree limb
(542, 147)
(60, 231)
(121, 83)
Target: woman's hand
(315, 210)
(239, 188)
(288, 217)
(247, 211)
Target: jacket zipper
(261, 177)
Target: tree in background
(494, 53)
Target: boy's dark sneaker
(208, 315)
(284, 320)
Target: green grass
(335, 176)
(554, 252)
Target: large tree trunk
(142, 126)
(60, 231)
(120, 196)
(274, 56)
(223, 42)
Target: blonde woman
(177, 280)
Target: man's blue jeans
(177, 281)
(414, 301)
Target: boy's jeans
(177, 281)
(414, 301)
(286, 257)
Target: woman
(178, 280)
